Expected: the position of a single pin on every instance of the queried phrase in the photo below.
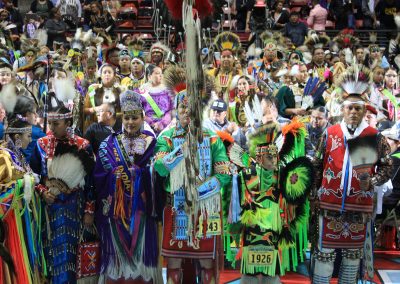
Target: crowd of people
(161, 156)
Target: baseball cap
(219, 105)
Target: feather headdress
(265, 136)
(315, 40)
(346, 39)
(227, 41)
(273, 42)
(159, 47)
(29, 44)
(175, 79)
(81, 39)
(355, 81)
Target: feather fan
(64, 90)
(8, 97)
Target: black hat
(219, 105)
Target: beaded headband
(267, 149)
(13, 130)
(136, 59)
(133, 112)
(59, 116)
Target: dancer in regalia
(18, 209)
(64, 161)
(350, 160)
(274, 206)
(125, 198)
(192, 216)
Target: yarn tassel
(119, 209)
(136, 196)
(150, 254)
(13, 243)
(234, 207)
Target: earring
(70, 131)
(18, 143)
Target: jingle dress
(125, 217)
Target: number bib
(213, 225)
(260, 255)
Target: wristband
(89, 208)
(40, 188)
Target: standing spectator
(242, 7)
(42, 7)
(385, 11)
(315, 129)
(318, 16)
(368, 11)
(280, 15)
(343, 11)
(295, 30)
(55, 28)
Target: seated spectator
(318, 16)
(280, 15)
(295, 30)
(55, 28)
(14, 16)
(42, 7)
(101, 22)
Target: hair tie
(22, 118)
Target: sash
(92, 92)
(157, 111)
(393, 100)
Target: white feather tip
(8, 97)
(64, 90)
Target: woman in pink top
(318, 16)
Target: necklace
(133, 145)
